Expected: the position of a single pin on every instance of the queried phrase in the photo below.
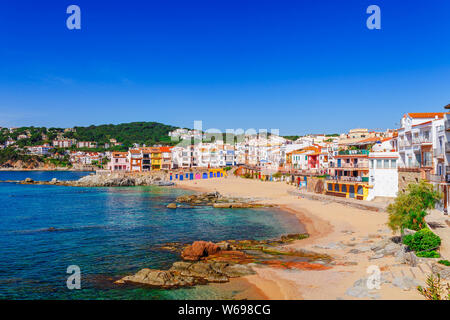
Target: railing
(438, 178)
(348, 179)
(438, 152)
(425, 164)
(351, 165)
(421, 140)
(404, 144)
(353, 152)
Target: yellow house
(156, 158)
(349, 189)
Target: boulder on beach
(198, 250)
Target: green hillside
(148, 133)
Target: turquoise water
(108, 233)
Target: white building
(383, 174)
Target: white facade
(383, 174)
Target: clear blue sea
(108, 233)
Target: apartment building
(421, 147)
(166, 158)
(87, 144)
(63, 143)
(119, 161)
(135, 157)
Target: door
(351, 191)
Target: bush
(277, 175)
(435, 290)
(444, 262)
(422, 240)
(410, 208)
(428, 254)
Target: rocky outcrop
(217, 200)
(198, 250)
(442, 270)
(205, 262)
(184, 274)
(109, 180)
(123, 180)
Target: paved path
(440, 224)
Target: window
(330, 187)
(386, 163)
(344, 188)
(336, 187)
(371, 164)
(393, 163)
(379, 164)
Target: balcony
(350, 166)
(404, 144)
(353, 152)
(437, 178)
(421, 140)
(438, 152)
(349, 179)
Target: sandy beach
(334, 229)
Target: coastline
(334, 229)
(44, 170)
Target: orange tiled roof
(424, 115)
(371, 139)
(166, 149)
(118, 154)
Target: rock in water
(199, 249)
(172, 205)
(160, 278)
(29, 180)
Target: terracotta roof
(424, 115)
(419, 124)
(166, 149)
(371, 139)
(118, 154)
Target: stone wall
(315, 185)
(407, 177)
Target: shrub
(435, 290)
(444, 262)
(422, 240)
(277, 175)
(428, 254)
(410, 208)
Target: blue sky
(300, 66)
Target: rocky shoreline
(216, 200)
(105, 180)
(207, 262)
